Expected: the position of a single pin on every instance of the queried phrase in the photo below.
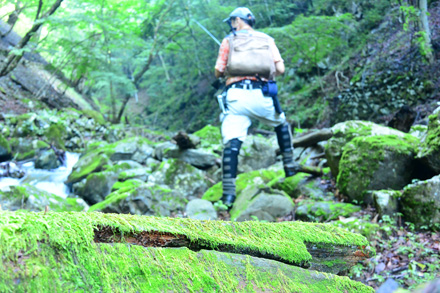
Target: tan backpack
(250, 54)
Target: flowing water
(49, 180)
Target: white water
(49, 180)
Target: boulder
(386, 202)
(134, 148)
(210, 137)
(257, 204)
(273, 175)
(138, 198)
(30, 198)
(87, 164)
(47, 160)
(344, 132)
(257, 153)
(137, 173)
(161, 149)
(98, 186)
(429, 151)
(195, 157)
(25, 148)
(200, 209)
(375, 163)
(181, 176)
(421, 202)
(323, 211)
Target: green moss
(355, 225)
(368, 152)
(55, 134)
(4, 144)
(432, 141)
(290, 184)
(129, 184)
(209, 135)
(95, 116)
(324, 211)
(60, 253)
(267, 176)
(92, 162)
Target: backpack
(250, 54)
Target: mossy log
(109, 252)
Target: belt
(245, 84)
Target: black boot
(284, 138)
(230, 162)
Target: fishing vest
(250, 54)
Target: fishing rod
(208, 32)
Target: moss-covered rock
(5, 149)
(421, 203)
(47, 160)
(98, 186)
(344, 132)
(30, 198)
(87, 164)
(356, 225)
(386, 202)
(209, 136)
(62, 251)
(181, 176)
(324, 211)
(137, 198)
(26, 148)
(375, 163)
(94, 115)
(269, 176)
(430, 148)
(257, 153)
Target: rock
(386, 202)
(181, 176)
(98, 186)
(210, 137)
(324, 211)
(389, 286)
(256, 153)
(429, 152)
(135, 148)
(197, 158)
(403, 119)
(138, 173)
(87, 164)
(344, 132)
(47, 160)
(24, 148)
(421, 202)
(375, 163)
(419, 131)
(243, 180)
(200, 209)
(5, 149)
(256, 204)
(162, 148)
(432, 287)
(30, 198)
(138, 198)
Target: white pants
(244, 104)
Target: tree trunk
(12, 61)
(424, 26)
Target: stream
(48, 180)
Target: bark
(12, 61)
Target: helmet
(244, 13)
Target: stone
(47, 160)
(200, 209)
(162, 148)
(139, 198)
(181, 176)
(5, 149)
(386, 202)
(138, 173)
(429, 152)
(375, 163)
(324, 211)
(256, 153)
(195, 157)
(344, 132)
(257, 204)
(31, 198)
(87, 164)
(98, 186)
(421, 202)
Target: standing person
(249, 60)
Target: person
(247, 71)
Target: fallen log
(312, 138)
(115, 252)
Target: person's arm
(222, 59)
(219, 74)
(279, 67)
